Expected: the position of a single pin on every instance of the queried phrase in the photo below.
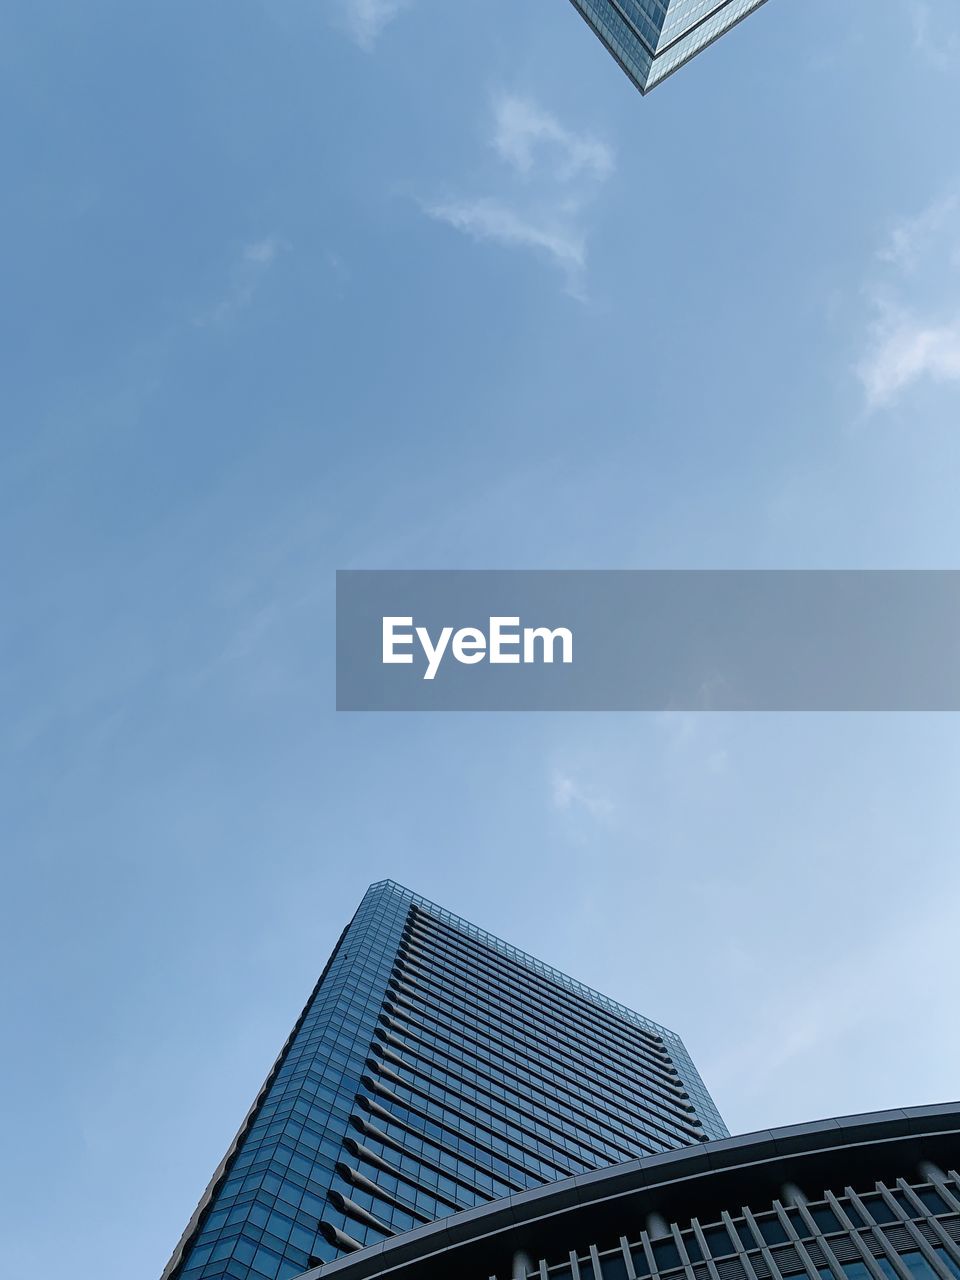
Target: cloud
(915, 329)
(524, 133)
(489, 219)
(253, 263)
(911, 237)
(906, 350)
(942, 48)
(364, 20)
(545, 179)
(567, 794)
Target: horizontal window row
(563, 1052)
(453, 1148)
(552, 980)
(410, 1024)
(579, 1001)
(395, 1142)
(486, 979)
(552, 998)
(547, 1112)
(463, 1135)
(509, 1122)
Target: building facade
(652, 38)
(874, 1197)
(435, 1069)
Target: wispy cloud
(546, 177)
(931, 38)
(364, 20)
(567, 793)
(915, 298)
(907, 349)
(252, 264)
(911, 238)
(527, 137)
(488, 219)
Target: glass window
(666, 1254)
(613, 1266)
(824, 1217)
(718, 1242)
(856, 1271)
(853, 1213)
(745, 1234)
(771, 1229)
(692, 1246)
(797, 1222)
(859, 1270)
(918, 1266)
(640, 1264)
(878, 1208)
(905, 1206)
(931, 1199)
(947, 1261)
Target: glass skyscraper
(652, 38)
(434, 1069)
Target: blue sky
(317, 284)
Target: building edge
(223, 1168)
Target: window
(692, 1246)
(771, 1229)
(918, 1266)
(931, 1200)
(853, 1213)
(640, 1264)
(666, 1255)
(878, 1209)
(860, 1271)
(947, 1261)
(613, 1267)
(718, 1242)
(824, 1217)
(905, 1206)
(745, 1234)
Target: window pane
(692, 1246)
(666, 1255)
(947, 1261)
(718, 1242)
(876, 1206)
(613, 1266)
(825, 1218)
(771, 1230)
(918, 1265)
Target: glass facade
(434, 1069)
(873, 1197)
(652, 38)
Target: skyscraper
(434, 1069)
(652, 38)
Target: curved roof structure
(702, 1181)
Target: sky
(301, 285)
